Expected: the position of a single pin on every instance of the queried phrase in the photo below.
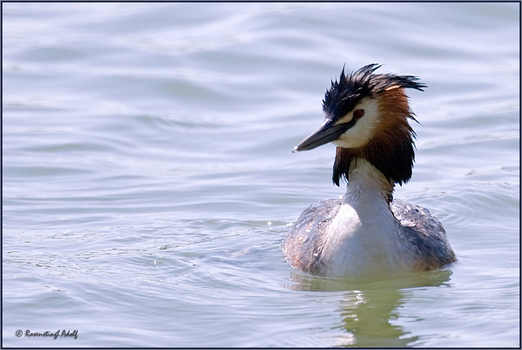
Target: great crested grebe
(366, 232)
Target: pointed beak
(328, 132)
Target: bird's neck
(367, 185)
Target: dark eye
(358, 113)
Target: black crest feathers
(346, 93)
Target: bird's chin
(344, 142)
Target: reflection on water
(369, 308)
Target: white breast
(361, 243)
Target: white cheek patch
(363, 129)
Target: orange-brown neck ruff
(391, 149)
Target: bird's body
(366, 232)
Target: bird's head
(366, 116)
